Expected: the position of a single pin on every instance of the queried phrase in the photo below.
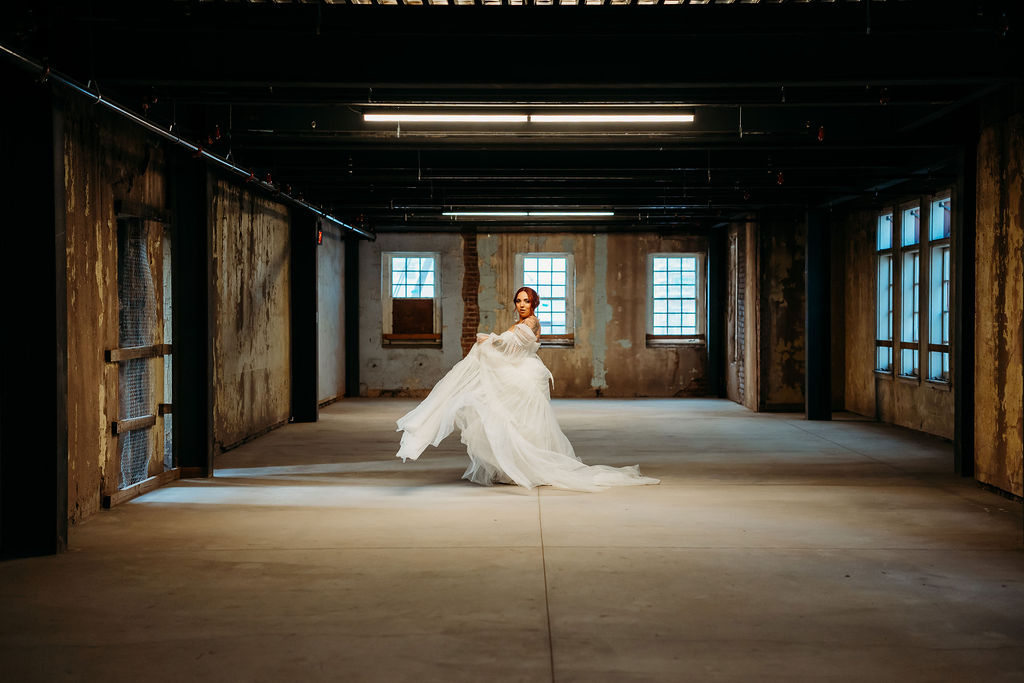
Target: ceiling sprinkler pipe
(46, 74)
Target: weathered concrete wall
(999, 306)
(752, 317)
(782, 316)
(856, 231)
(250, 319)
(407, 371)
(610, 356)
(916, 404)
(736, 314)
(105, 160)
(331, 313)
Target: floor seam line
(547, 602)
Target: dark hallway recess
(34, 365)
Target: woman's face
(523, 304)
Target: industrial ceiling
(794, 104)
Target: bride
(498, 396)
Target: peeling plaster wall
(920, 405)
(857, 232)
(250, 313)
(388, 371)
(782, 316)
(999, 305)
(104, 160)
(609, 357)
(331, 313)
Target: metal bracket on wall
(154, 351)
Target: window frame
(388, 336)
(910, 295)
(567, 340)
(940, 288)
(888, 255)
(668, 340)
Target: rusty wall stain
(781, 238)
(251, 319)
(389, 371)
(999, 306)
(331, 313)
(104, 160)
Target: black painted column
(351, 316)
(305, 365)
(817, 330)
(33, 351)
(191, 274)
(963, 236)
(717, 293)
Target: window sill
(559, 341)
(883, 374)
(411, 341)
(939, 384)
(909, 379)
(675, 341)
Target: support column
(351, 317)
(818, 327)
(305, 376)
(962, 366)
(191, 274)
(717, 292)
(33, 351)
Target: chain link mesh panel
(136, 323)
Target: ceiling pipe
(45, 73)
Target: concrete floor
(775, 549)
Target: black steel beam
(352, 302)
(963, 240)
(818, 325)
(33, 387)
(191, 275)
(304, 336)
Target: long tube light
(447, 118)
(528, 118)
(528, 214)
(611, 118)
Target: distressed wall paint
(330, 273)
(999, 305)
(856, 230)
(602, 313)
(407, 371)
(782, 317)
(250, 319)
(610, 348)
(924, 406)
(104, 161)
(752, 317)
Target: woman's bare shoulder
(533, 324)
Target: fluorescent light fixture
(486, 213)
(446, 118)
(611, 118)
(528, 214)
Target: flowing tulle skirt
(502, 406)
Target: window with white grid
(411, 298)
(552, 276)
(910, 291)
(675, 298)
(939, 224)
(883, 296)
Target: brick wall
(470, 287)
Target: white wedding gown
(498, 396)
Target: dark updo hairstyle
(534, 297)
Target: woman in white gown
(498, 396)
